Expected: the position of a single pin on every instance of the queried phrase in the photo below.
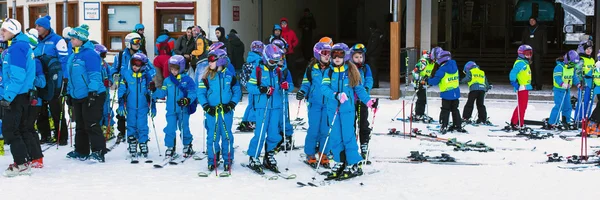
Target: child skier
(585, 50)
(358, 59)
(252, 61)
(478, 86)
(318, 124)
(180, 91)
(447, 79)
(218, 94)
(564, 77)
(107, 80)
(264, 86)
(340, 83)
(422, 72)
(284, 72)
(134, 103)
(520, 79)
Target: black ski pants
(479, 97)
(13, 117)
(362, 115)
(421, 101)
(30, 136)
(88, 130)
(450, 106)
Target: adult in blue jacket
(53, 52)
(87, 95)
(563, 78)
(268, 99)
(218, 93)
(358, 53)
(30, 136)
(18, 74)
(341, 83)
(448, 80)
(254, 60)
(180, 91)
(134, 101)
(318, 124)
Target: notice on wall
(185, 24)
(189, 17)
(169, 27)
(91, 10)
(111, 11)
(236, 13)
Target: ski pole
(228, 140)
(298, 112)
(286, 115)
(215, 138)
(411, 119)
(404, 121)
(61, 114)
(156, 136)
(326, 140)
(203, 133)
(262, 127)
(402, 109)
(561, 104)
(372, 125)
(110, 109)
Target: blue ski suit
(318, 123)
(268, 109)
(250, 114)
(134, 96)
(561, 96)
(85, 74)
(177, 116)
(343, 136)
(218, 91)
(108, 112)
(18, 68)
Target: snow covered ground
(504, 175)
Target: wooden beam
(215, 12)
(395, 42)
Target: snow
(505, 175)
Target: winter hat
(44, 22)
(66, 31)
(11, 25)
(33, 37)
(277, 27)
(138, 27)
(80, 32)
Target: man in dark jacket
(374, 51)
(235, 50)
(185, 45)
(307, 24)
(535, 36)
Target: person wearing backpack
(318, 124)
(218, 94)
(180, 91)
(53, 52)
(164, 51)
(135, 102)
(133, 42)
(253, 60)
(287, 76)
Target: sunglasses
(212, 58)
(137, 62)
(325, 52)
(338, 54)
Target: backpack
(308, 73)
(51, 67)
(164, 48)
(193, 105)
(233, 82)
(246, 71)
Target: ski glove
(564, 85)
(107, 83)
(341, 97)
(266, 90)
(183, 102)
(209, 109)
(121, 110)
(228, 107)
(92, 98)
(285, 85)
(300, 95)
(152, 86)
(373, 103)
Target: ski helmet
(132, 38)
(340, 47)
(598, 56)
(584, 45)
(433, 53)
(219, 56)
(101, 50)
(139, 59)
(280, 43)
(178, 60)
(443, 57)
(327, 40)
(358, 48)
(257, 46)
(470, 65)
(525, 51)
(321, 49)
(272, 55)
(571, 58)
(215, 46)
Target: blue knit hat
(138, 27)
(277, 27)
(80, 32)
(44, 22)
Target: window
(174, 17)
(119, 20)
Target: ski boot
(459, 129)
(417, 156)
(76, 155)
(37, 163)
(211, 167)
(554, 157)
(351, 172)
(484, 122)
(17, 170)
(548, 126)
(215, 162)
(416, 118)
(132, 146)
(467, 121)
(245, 127)
(254, 165)
(144, 149)
(311, 161)
(289, 143)
(324, 162)
(444, 130)
(97, 156)
(188, 151)
(336, 171)
(226, 167)
(446, 158)
(170, 152)
(511, 127)
(269, 162)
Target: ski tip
(158, 166)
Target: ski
(199, 157)
(580, 167)
(334, 181)
(263, 174)
(134, 159)
(205, 174)
(430, 121)
(167, 161)
(406, 161)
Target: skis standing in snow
(253, 60)
(318, 124)
(135, 102)
(358, 53)
(520, 79)
(447, 79)
(219, 93)
(564, 77)
(340, 83)
(478, 86)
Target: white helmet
(129, 38)
(65, 32)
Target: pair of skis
(270, 175)
(325, 182)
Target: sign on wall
(91, 10)
(236, 13)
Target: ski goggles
(528, 53)
(212, 58)
(325, 52)
(273, 62)
(137, 62)
(338, 54)
(136, 41)
(359, 47)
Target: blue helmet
(470, 65)
(257, 46)
(100, 49)
(178, 60)
(219, 56)
(272, 55)
(319, 49)
(442, 57)
(571, 58)
(525, 51)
